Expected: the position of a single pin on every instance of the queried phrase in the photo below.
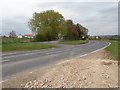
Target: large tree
(75, 31)
(83, 31)
(71, 30)
(47, 24)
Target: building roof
(29, 35)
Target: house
(97, 37)
(94, 37)
(29, 36)
(20, 36)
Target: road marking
(7, 57)
(4, 61)
(23, 54)
(54, 52)
(81, 55)
(49, 53)
(85, 54)
(96, 50)
(10, 53)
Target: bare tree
(12, 34)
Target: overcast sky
(99, 17)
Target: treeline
(48, 25)
(110, 37)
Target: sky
(99, 16)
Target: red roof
(29, 35)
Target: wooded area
(47, 25)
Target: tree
(69, 24)
(83, 32)
(48, 24)
(75, 31)
(72, 32)
(12, 34)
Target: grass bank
(75, 42)
(113, 49)
(25, 46)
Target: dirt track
(95, 70)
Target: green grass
(25, 46)
(22, 44)
(75, 42)
(8, 40)
(113, 49)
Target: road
(15, 63)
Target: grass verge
(113, 49)
(75, 42)
(25, 46)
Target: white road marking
(66, 60)
(54, 52)
(47, 52)
(96, 50)
(23, 54)
(7, 57)
(86, 54)
(10, 53)
(4, 61)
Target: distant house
(20, 36)
(94, 37)
(97, 37)
(29, 36)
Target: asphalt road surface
(17, 62)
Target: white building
(19, 36)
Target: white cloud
(96, 16)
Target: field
(15, 40)
(113, 49)
(76, 42)
(14, 44)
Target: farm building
(20, 36)
(29, 36)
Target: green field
(75, 42)
(24, 46)
(113, 49)
(15, 40)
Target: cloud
(98, 17)
(18, 24)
